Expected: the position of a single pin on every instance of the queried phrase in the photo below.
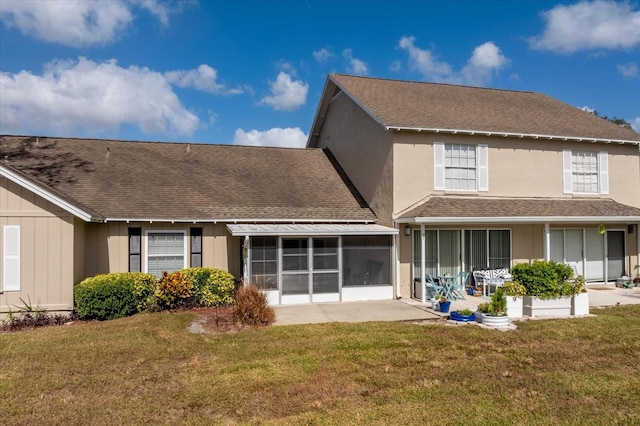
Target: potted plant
(497, 315)
(462, 315)
(580, 301)
(435, 302)
(549, 289)
(483, 308)
(444, 304)
(515, 293)
(636, 280)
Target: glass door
(615, 255)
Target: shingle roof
(410, 104)
(480, 207)
(179, 181)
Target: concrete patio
(600, 295)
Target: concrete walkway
(600, 295)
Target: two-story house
(483, 178)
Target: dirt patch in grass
(213, 320)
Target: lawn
(149, 369)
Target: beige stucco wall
(46, 250)
(107, 246)
(517, 168)
(364, 150)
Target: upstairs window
(585, 172)
(460, 167)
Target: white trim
(438, 166)
(36, 189)
(482, 171)
(234, 220)
(304, 230)
(603, 172)
(522, 219)
(164, 231)
(510, 134)
(567, 175)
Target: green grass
(149, 369)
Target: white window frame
(481, 167)
(165, 231)
(601, 172)
(11, 258)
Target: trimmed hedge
(117, 295)
(546, 279)
(110, 296)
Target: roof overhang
(512, 135)
(519, 219)
(241, 230)
(47, 195)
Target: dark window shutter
(196, 247)
(135, 253)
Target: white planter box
(514, 306)
(580, 304)
(556, 307)
(477, 316)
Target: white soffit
(241, 230)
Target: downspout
(547, 242)
(398, 238)
(423, 269)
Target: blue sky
(252, 72)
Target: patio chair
(431, 287)
(458, 289)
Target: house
(286, 219)
(482, 178)
(399, 179)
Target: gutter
(521, 219)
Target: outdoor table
(448, 283)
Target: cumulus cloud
(204, 78)
(288, 138)
(94, 97)
(286, 94)
(628, 70)
(356, 66)
(485, 61)
(587, 25)
(588, 109)
(76, 23)
(635, 124)
(322, 55)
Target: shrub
(174, 290)
(251, 307)
(211, 286)
(109, 296)
(144, 290)
(514, 289)
(544, 279)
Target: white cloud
(289, 137)
(635, 123)
(356, 66)
(588, 109)
(94, 97)
(286, 94)
(586, 25)
(486, 60)
(628, 70)
(204, 78)
(76, 23)
(395, 66)
(322, 55)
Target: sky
(252, 72)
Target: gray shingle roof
(480, 207)
(410, 104)
(179, 181)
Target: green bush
(211, 286)
(110, 296)
(544, 279)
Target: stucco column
(398, 239)
(547, 242)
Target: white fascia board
(41, 192)
(306, 230)
(509, 134)
(520, 219)
(234, 220)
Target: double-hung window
(165, 251)
(460, 167)
(585, 172)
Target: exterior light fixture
(407, 231)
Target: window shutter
(135, 253)
(438, 166)
(483, 167)
(11, 258)
(566, 171)
(196, 247)
(603, 164)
